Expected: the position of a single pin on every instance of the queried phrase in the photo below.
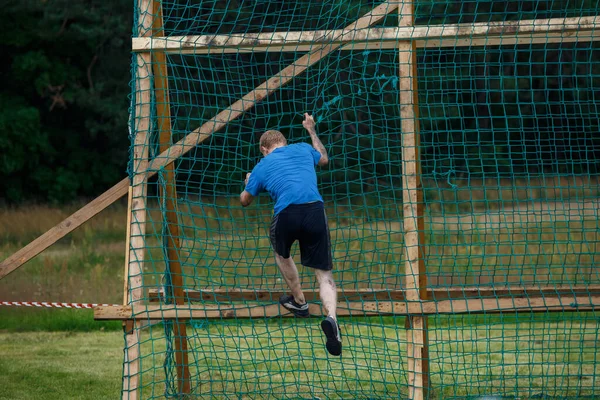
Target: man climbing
(287, 173)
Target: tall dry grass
(223, 244)
(463, 195)
(22, 224)
(85, 266)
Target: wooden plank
(583, 302)
(169, 194)
(411, 178)
(140, 167)
(526, 304)
(262, 41)
(477, 41)
(131, 363)
(188, 143)
(438, 294)
(353, 295)
(59, 231)
(228, 311)
(128, 326)
(523, 39)
(234, 294)
(412, 198)
(127, 246)
(353, 36)
(137, 229)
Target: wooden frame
(580, 29)
(413, 309)
(412, 199)
(353, 295)
(553, 30)
(137, 207)
(582, 36)
(169, 193)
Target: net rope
(509, 154)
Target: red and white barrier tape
(50, 305)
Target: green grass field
(524, 358)
(60, 365)
(521, 357)
(66, 354)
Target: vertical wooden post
(137, 205)
(169, 193)
(127, 247)
(412, 195)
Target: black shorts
(306, 223)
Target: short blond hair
(269, 139)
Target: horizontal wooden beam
(492, 40)
(350, 295)
(495, 40)
(506, 32)
(549, 303)
(225, 311)
(503, 305)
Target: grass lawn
(60, 365)
(527, 356)
(524, 356)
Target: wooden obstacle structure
(416, 301)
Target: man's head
(271, 140)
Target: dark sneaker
(334, 339)
(299, 310)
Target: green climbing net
(510, 156)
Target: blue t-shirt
(288, 175)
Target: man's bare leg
(290, 275)
(330, 325)
(328, 292)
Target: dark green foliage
(510, 111)
(64, 98)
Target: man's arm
(309, 125)
(245, 197)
